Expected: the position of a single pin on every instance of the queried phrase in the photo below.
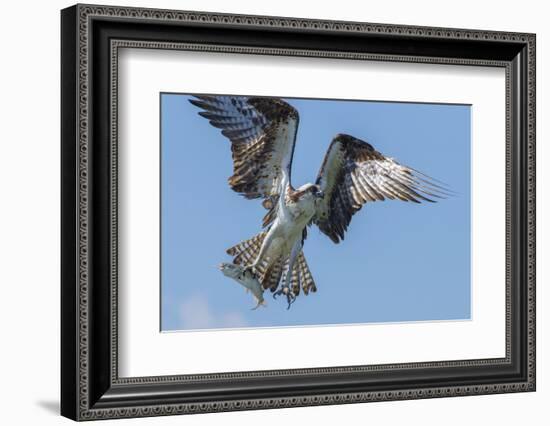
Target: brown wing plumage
(262, 132)
(354, 173)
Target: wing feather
(354, 173)
(262, 132)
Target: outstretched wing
(262, 132)
(354, 173)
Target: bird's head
(311, 191)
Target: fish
(247, 279)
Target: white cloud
(234, 320)
(196, 313)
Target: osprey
(263, 132)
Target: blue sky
(399, 261)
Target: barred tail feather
(270, 271)
(301, 276)
(306, 279)
(272, 275)
(247, 251)
(295, 280)
(294, 277)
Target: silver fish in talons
(247, 279)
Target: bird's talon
(290, 296)
(248, 269)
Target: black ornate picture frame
(90, 385)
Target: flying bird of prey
(263, 132)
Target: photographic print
(362, 193)
(279, 211)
